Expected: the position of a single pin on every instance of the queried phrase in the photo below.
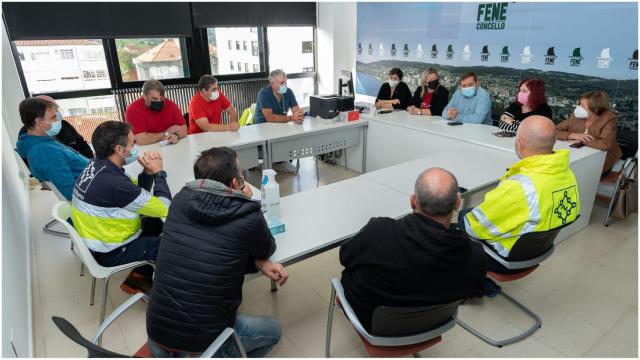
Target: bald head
(436, 192)
(536, 136)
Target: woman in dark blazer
(430, 98)
(394, 94)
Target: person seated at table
(470, 103)
(154, 118)
(430, 98)
(530, 100)
(47, 158)
(275, 100)
(214, 235)
(394, 94)
(593, 124)
(418, 260)
(206, 107)
(538, 193)
(117, 216)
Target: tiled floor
(586, 295)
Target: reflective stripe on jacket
(107, 204)
(537, 193)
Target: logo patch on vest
(564, 203)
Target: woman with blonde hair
(594, 125)
(430, 97)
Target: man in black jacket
(214, 235)
(417, 260)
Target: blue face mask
(55, 128)
(134, 155)
(468, 91)
(282, 89)
(59, 115)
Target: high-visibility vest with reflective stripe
(107, 205)
(537, 193)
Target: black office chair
(186, 119)
(395, 331)
(528, 252)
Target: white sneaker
(288, 167)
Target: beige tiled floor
(586, 295)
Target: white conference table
(399, 137)
(315, 136)
(320, 219)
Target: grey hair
(275, 73)
(206, 81)
(435, 196)
(152, 84)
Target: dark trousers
(145, 247)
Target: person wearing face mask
(593, 124)
(394, 94)
(538, 193)
(68, 135)
(430, 98)
(206, 107)
(116, 215)
(530, 100)
(48, 159)
(154, 118)
(470, 103)
(214, 235)
(275, 100)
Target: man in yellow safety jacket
(538, 193)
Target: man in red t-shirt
(154, 118)
(206, 107)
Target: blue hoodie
(52, 161)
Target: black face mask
(433, 84)
(156, 105)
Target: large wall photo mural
(573, 47)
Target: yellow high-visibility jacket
(537, 193)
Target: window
(225, 60)
(151, 58)
(38, 72)
(302, 88)
(307, 47)
(280, 54)
(256, 68)
(85, 114)
(246, 67)
(66, 54)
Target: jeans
(258, 334)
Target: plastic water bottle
(270, 193)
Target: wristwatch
(160, 174)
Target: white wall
(11, 90)
(336, 32)
(16, 247)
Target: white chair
(62, 211)
(96, 351)
(399, 331)
(48, 228)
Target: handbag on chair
(627, 201)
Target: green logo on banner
(492, 16)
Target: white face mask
(215, 95)
(580, 112)
(393, 83)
